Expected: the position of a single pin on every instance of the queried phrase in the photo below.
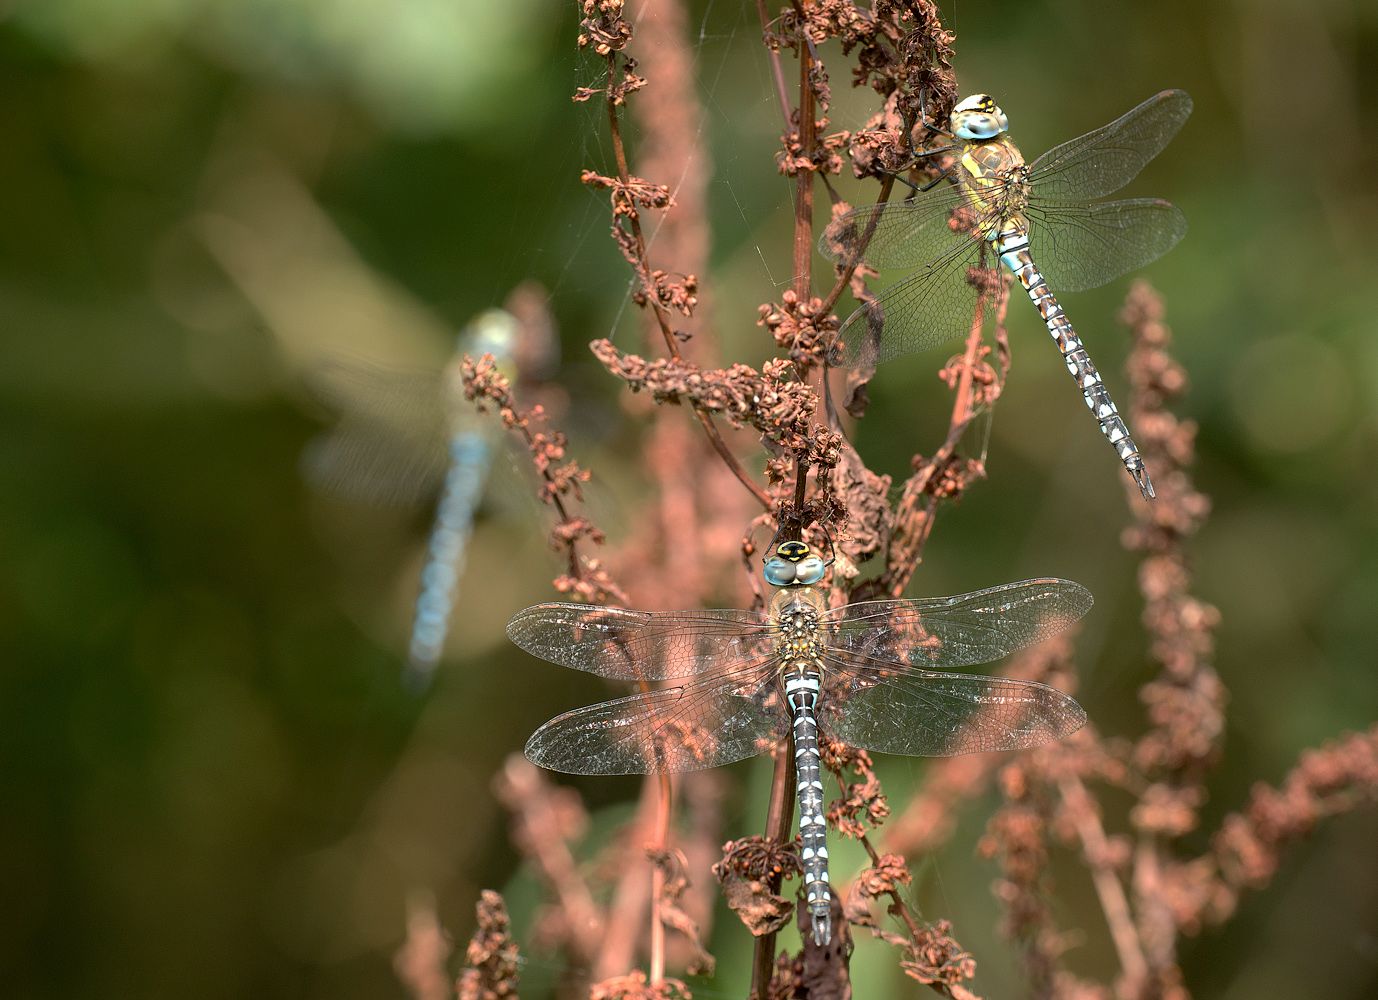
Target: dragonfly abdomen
(454, 521)
(1014, 252)
(801, 692)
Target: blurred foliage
(212, 783)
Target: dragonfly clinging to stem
(868, 674)
(1038, 219)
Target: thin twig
(918, 506)
(844, 277)
(1114, 903)
(662, 317)
(777, 71)
(657, 847)
(779, 816)
(803, 198)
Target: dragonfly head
(794, 565)
(977, 117)
(494, 332)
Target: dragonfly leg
(936, 180)
(1078, 363)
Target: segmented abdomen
(801, 691)
(1014, 251)
(454, 521)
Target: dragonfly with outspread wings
(875, 675)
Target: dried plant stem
(662, 318)
(781, 810)
(918, 506)
(777, 71)
(658, 846)
(1113, 901)
(779, 815)
(485, 385)
(803, 199)
(630, 896)
(844, 277)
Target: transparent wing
(407, 403)
(895, 233)
(1103, 161)
(641, 645)
(364, 466)
(388, 448)
(921, 713)
(963, 630)
(933, 305)
(1079, 246)
(729, 715)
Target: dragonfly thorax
(996, 181)
(795, 614)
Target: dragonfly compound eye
(779, 572)
(978, 117)
(809, 571)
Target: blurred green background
(210, 782)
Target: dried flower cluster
(750, 872)
(586, 578)
(491, 959)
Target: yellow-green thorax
(996, 182)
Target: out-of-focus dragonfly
(1035, 218)
(402, 436)
(867, 674)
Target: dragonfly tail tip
(822, 930)
(1145, 484)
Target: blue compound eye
(809, 571)
(778, 572)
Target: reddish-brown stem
(629, 902)
(658, 846)
(899, 908)
(845, 278)
(1114, 903)
(918, 507)
(905, 556)
(803, 221)
(803, 199)
(779, 815)
(720, 446)
(574, 568)
(643, 269)
(777, 70)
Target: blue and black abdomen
(801, 691)
(454, 521)
(1014, 252)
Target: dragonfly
(874, 675)
(403, 433)
(1039, 219)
